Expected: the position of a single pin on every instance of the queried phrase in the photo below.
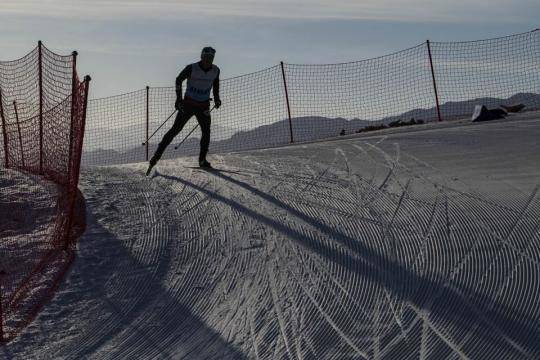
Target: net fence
(407, 87)
(42, 114)
(502, 71)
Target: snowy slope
(411, 245)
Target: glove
(179, 104)
(217, 103)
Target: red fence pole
(74, 181)
(71, 186)
(434, 82)
(87, 79)
(74, 83)
(4, 131)
(147, 118)
(19, 131)
(40, 70)
(287, 98)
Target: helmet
(208, 51)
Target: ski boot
(153, 163)
(205, 164)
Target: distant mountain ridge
(454, 109)
(134, 134)
(306, 128)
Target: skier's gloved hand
(179, 104)
(217, 103)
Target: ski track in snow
(405, 246)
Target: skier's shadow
(452, 306)
(131, 312)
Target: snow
(27, 213)
(419, 244)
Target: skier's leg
(204, 122)
(181, 120)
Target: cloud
(388, 10)
(120, 38)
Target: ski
(214, 169)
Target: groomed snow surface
(416, 245)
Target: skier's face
(207, 60)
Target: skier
(201, 77)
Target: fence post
(147, 118)
(19, 131)
(288, 103)
(40, 72)
(73, 97)
(72, 187)
(4, 131)
(87, 79)
(2, 340)
(434, 82)
(74, 181)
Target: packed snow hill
(410, 245)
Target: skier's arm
(184, 75)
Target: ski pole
(196, 126)
(144, 143)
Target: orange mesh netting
(42, 113)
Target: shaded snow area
(27, 220)
(27, 204)
(421, 245)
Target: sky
(128, 44)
